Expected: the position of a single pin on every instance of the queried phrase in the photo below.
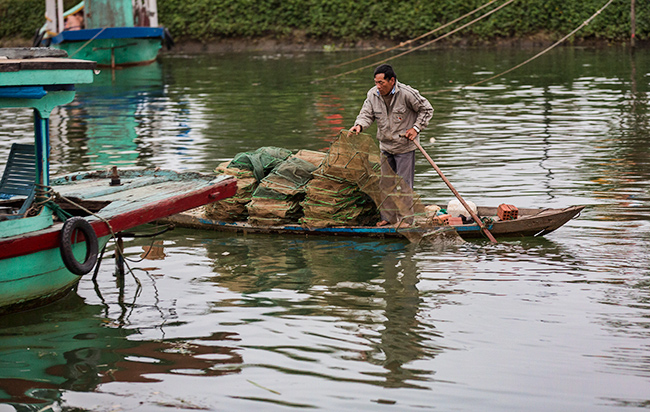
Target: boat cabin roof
(42, 79)
(42, 67)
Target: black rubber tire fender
(71, 225)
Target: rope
(86, 43)
(59, 196)
(46, 196)
(406, 43)
(422, 45)
(586, 22)
(118, 250)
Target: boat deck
(531, 222)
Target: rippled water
(231, 322)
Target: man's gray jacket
(407, 109)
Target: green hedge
(359, 19)
(21, 18)
(352, 20)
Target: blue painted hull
(532, 222)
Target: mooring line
(87, 43)
(557, 43)
(586, 22)
(422, 45)
(406, 43)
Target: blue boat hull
(531, 222)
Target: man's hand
(411, 134)
(355, 129)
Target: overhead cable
(422, 45)
(406, 43)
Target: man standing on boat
(401, 113)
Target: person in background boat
(401, 114)
(74, 21)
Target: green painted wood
(26, 225)
(43, 74)
(124, 51)
(25, 77)
(36, 278)
(108, 13)
(38, 275)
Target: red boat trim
(49, 238)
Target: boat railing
(19, 178)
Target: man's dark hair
(388, 71)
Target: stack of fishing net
(249, 168)
(331, 201)
(349, 187)
(345, 187)
(276, 201)
(233, 209)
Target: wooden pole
(59, 16)
(633, 23)
(478, 221)
(119, 257)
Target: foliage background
(353, 20)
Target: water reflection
(113, 121)
(332, 323)
(369, 287)
(404, 338)
(71, 346)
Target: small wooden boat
(43, 249)
(530, 222)
(110, 32)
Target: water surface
(224, 322)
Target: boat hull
(38, 278)
(110, 47)
(533, 222)
(32, 271)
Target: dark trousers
(398, 203)
(402, 164)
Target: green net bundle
(260, 161)
(349, 187)
(249, 168)
(233, 209)
(332, 202)
(276, 201)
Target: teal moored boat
(111, 32)
(51, 229)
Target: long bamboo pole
(633, 23)
(455, 192)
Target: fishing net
(260, 161)
(347, 186)
(332, 202)
(276, 200)
(233, 209)
(350, 188)
(313, 157)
